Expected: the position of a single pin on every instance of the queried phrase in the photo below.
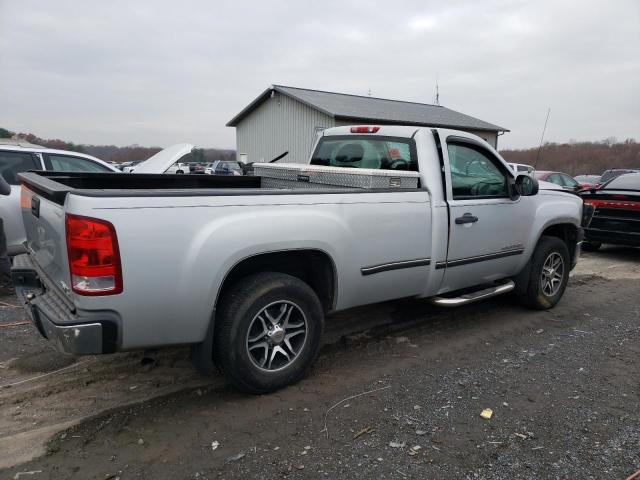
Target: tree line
(579, 158)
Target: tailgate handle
(466, 218)
(35, 206)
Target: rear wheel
(268, 332)
(545, 277)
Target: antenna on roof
(544, 129)
(369, 92)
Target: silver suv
(17, 156)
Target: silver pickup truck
(246, 268)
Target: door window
(474, 173)
(12, 163)
(65, 163)
(555, 178)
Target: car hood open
(162, 160)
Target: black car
(616, 218)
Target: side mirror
(526, 185)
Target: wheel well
(313, 267)
(566, 232)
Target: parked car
(522, 168)
(169, 160)
(567, 182)
(588, 181)
(615, 172)
(16, 157)
(616, 218)
(199, 168)
(224, 167)
(250, 265)
(121, 166)
(131, 166)
(178, 168)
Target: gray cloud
(162, 72)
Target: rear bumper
(78, 339)
(56, 318)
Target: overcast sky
(162, 72)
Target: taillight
(94, 258)
(364, 129)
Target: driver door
(488, 230)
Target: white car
(522, 168)
(179, 168)
(16, 157)
(130, 167)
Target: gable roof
(345, 107)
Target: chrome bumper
(53, 315)
(81, 339)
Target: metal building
(287, 119)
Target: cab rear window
(12, 163)
(378, 153)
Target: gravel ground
(562, 384)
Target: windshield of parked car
(629, 181)
(609, 174)
(233, 165)
(12, 163)
(380, 153)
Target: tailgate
(44, 223)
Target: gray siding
(280, 124)
(490, 137)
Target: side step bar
(474, 296)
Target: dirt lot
(563, 386)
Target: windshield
(380, 153)
(630, 181)
(609, 174)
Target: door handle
(466, 218)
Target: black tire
(529, 284)
(238, 312)
(591, 246)
(179, 172)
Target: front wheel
(268, 332)
(547, 274)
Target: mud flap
(522, 280)
(202, 353)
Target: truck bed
(56, 185)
